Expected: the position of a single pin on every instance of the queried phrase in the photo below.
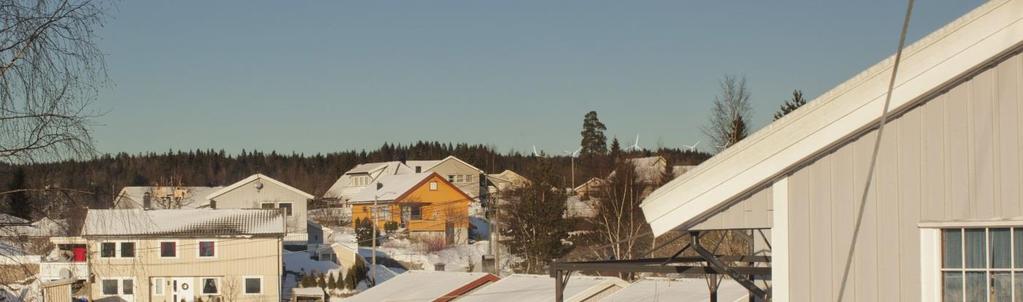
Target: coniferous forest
(94, 181)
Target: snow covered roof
(44, 227)
(422, 164)
(307, 292)
(11, 220)
(689, 289)
(252, 178)
(394, 186)
(343, 188)
(183, 222)
(425, 286)
(942, 58)
(194, 197)
(519, 288)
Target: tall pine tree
(790, 105)
(593, 142)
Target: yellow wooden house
(425, 204)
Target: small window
(286, 206)
(419, 169)
(209, 286)
(207, 249)
(253, 285)
(168, 249)
(108, 250)
(158, 284)
(451, 178)
(416, 212)
(213, 204)
(110, 287)
(267, 206)
(433, 186)
(127, 249)
(128, 286)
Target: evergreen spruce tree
(616, 149)
(331, 282)
(593, 142)
(790, 105)
(18, 203)
(321, 282)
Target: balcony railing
(54, 270)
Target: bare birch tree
(618, 228)
(50, 72)
(731, 113)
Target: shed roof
(690, 289)
(423, 286)
(183, 222)
(944, 57)
(519, 287)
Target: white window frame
(202, 286)
(245, 286)
(120, 286)
(117, 248)
(162, 286)
(433, 186)
(198, 249)
(159, 245)
(932, 268)
(291, 208)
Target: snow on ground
(22, 291)
(296, 263)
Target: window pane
(127, 249)
(206, 249)
(109, 287)
(158, 286)
(953, 288)
(1018, 249)
(1000, 248)
(128, 286)
(252, 286)
(975, 287)
(286, 207)
(953, 248)
(1018, 284)
(267, 206)
(975, 249)
(168, 249)
(107, 249)
(1001, 287)
(209, 286)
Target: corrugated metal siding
(57, 293)
(752, 212)
(954, 157)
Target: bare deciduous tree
(50, 71)
(619, 229)
(729, 120)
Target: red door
(79, 253)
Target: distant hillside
(103, 176)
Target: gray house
(262, 192)
(943, 218)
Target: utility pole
(373, 269)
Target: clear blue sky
(327, 76)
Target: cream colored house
(942, 217)
(181, 255)
(262, 192)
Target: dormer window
(419, 169)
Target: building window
(286, 206)
(110, 287)
(213, 204)
(451, 178)
(108, 250)
(122, 286)
(253, 285)
(168, 249)
(128, 287)
(266, 206)
(981, 264)
(433, 186)
(127, 249)
(207, 249)
(416, 213)
(419, 169)
(158, 284)
(209, 286)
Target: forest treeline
(98, 179)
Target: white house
(943, 214)
(262, 192)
